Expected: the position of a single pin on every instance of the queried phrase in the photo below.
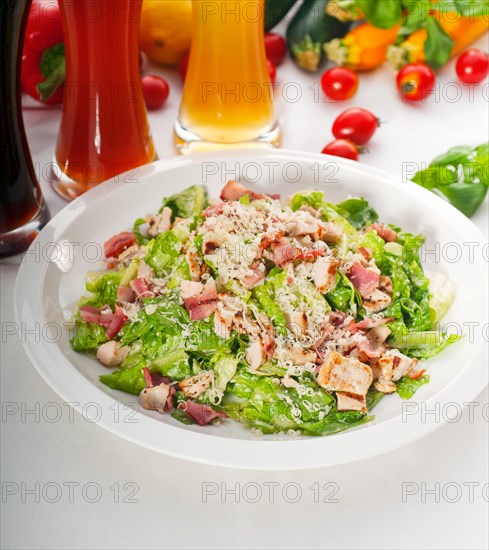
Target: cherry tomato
(472, 66)
(275, 47)
(339, 83)
(342, 148)
(183, 67)
(272, 71)
(355, 124)
(415, 81)
(155, 91)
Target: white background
(171, 508)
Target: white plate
(52, 279)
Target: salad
(288, 317)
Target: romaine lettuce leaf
(442, 294)
(165, 258)
(407, 387)
(273, 408)
(129, 380)
(344, 296)
(358, 212)
(188, 203)
(264, 296)
(88, 336)
(308, 198)
(423, 345)
(169, 319)
(330, 211)
(103, 286)
(202, 342)
(336, 422)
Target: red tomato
(356, 125)
(339, 83)
(342, 148)
(275, 47)
(272, 71)
(183, 67)
(415, 81)
(155, 91)
(472, 66)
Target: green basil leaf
(384, 14)
(467, 197)
(466, 8)
(438, 46)
(415, 19)
(454, 156)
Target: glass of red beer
(23, 211)
(104, 128)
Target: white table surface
(66, 483)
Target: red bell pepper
(43, 60)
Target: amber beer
(22, 208)
(228, 96)
(104, 128)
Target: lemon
(165, 30)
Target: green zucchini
(310, 28)
(275, 11)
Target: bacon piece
(365, 252)
(267, 239)
(100, 316)
(147, 378)
(369, 352)
(118, 321)
(364, 280)
(415, 374)
(141, 288)
(200, 300)
(126, 294)
(213, 210)
(114, 246)
(384, 232)
(368, 323)
(202, 414)
(310, 254)
(336, 318)
(169, 402)
(269, 345)
(284, 253)
(233, 191)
